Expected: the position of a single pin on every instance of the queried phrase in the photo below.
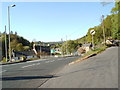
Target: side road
(100, 71)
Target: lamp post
(9, 29)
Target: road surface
(32, 74)
(100, 71)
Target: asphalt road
(32, 74)
(100, 71)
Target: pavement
(100, 71)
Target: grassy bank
(90, 54)
(95, 51)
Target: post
(40, 51)
(9, 32)
(5, 44)
(92, 32)
(92, 42)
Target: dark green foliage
(17, 43)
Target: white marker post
(92, 32)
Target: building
(41, 50)
(55, 51)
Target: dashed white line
(60, 59)
(37, 63)
(49, 61)
(31, 65)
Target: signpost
(92, 32)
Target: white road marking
(25, 62)
(3, 71)
(31, 65)
(28, 65)
(38, 64)
(49, 61)
(60, 59)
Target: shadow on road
(27, 77)
(26, 70)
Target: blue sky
(51, 21)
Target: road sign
(92, 32)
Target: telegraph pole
(103, 28)
(66, 44)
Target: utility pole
(5, 44)
(66, 44)
(103, 29)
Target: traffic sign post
(92, 32)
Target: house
(55, 51)
(41, 50)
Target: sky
(53, 21)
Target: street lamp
(9, 29)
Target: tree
(15, 33)
(26, 48)
(16, 43)
(19, 47)
(69, 47)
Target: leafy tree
(69, 47)
(17, 43)
(15, 33)
(19, 47)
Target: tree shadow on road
(27, 77)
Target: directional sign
(92, 32)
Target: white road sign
(92, 32)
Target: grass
(36, 58)
(4, 60)
(91, 52)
